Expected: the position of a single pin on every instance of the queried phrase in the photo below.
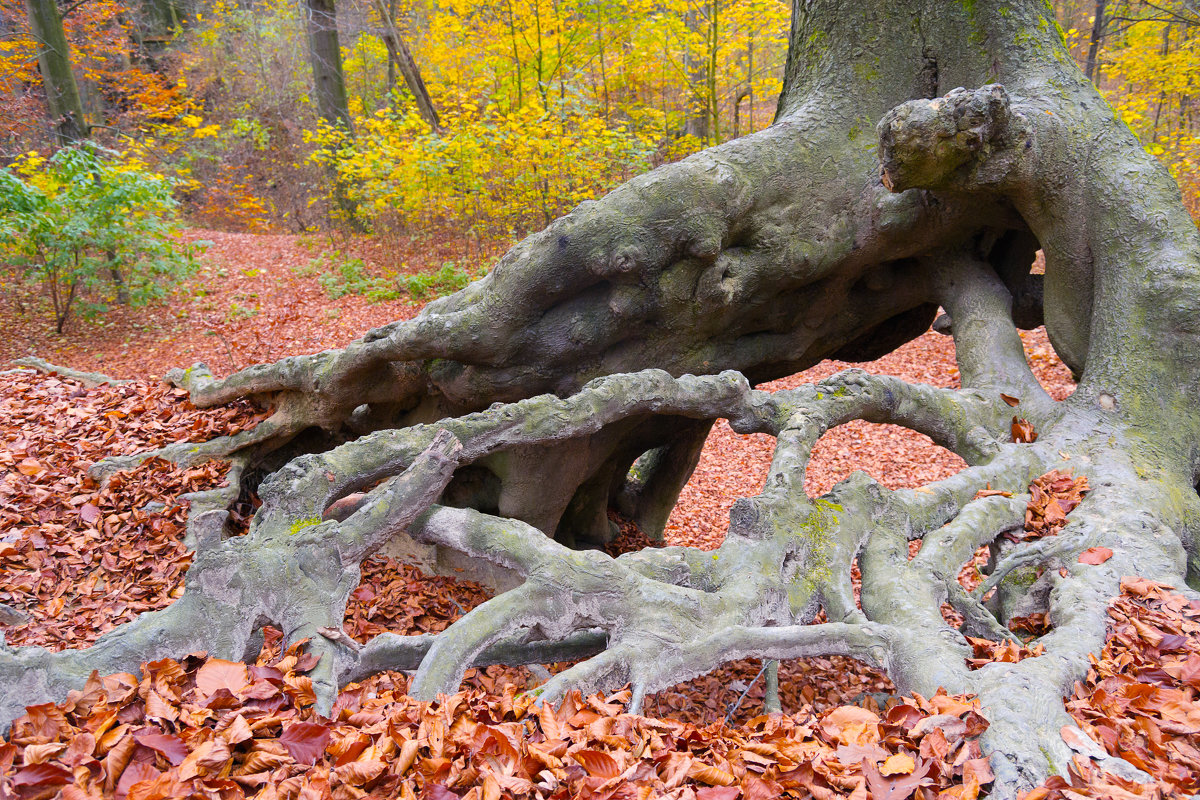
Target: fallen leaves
(399, 598)
(379, 742)
(1006, 652)
(1139, 700)
(1022, 431)
(78, 558)
(1051, 497)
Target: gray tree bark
(329, 89)
(54, 62)
(325, 55)
(565, 382)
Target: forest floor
(79, 559)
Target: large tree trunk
(325, 55)
(54, 61)
(881, 192)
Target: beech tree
(923, 152)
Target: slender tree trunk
(401, 57)
(54, 61)
(601, 57)
(325, 55)
(1162, 95)
(329, 89)
(711, 78)
(516, 55)
(696, 65)
(391, 66)
(1097, 36)
(117, 277)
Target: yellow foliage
(546, 103)
(1149, 71)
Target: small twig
(117, 131)
(341, 637)
(738, 703)
(72, 7)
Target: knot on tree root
(969, 137)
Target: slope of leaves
(79, 558)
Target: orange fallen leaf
(899, 764)
(31, 467)
(1022, 431)
(1095, 555)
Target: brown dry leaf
(171, 746)
(359, 773)
(31, 467)
(217, 674)
(408, 754)
(705, 773)
(41, 753)
(898, 764)
(1095, 555)
(305, 741)
(1022, 431)
(597, 763)
(41, 775)
(851, 725)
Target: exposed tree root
(654, 618)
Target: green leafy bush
(351, 277)
(447, 280)
(90, 228)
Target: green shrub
(447, 280)
(89, 228)
(351, 277)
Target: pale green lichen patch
(815, 528)
(301, 524)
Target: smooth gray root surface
(582, 375)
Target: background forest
(519, 109)
(534, 105)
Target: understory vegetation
(89, 229)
